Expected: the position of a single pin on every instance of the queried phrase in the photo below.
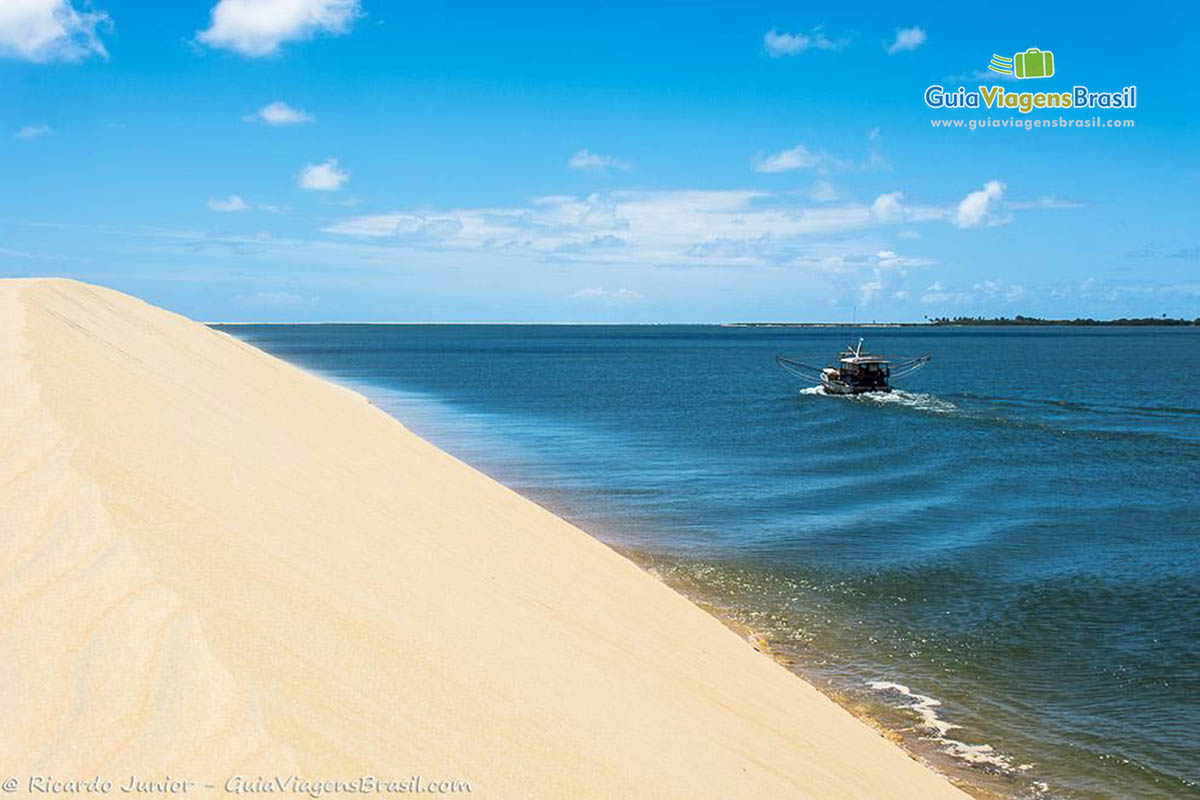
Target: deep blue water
(1001, 563)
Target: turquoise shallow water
(1001, 562)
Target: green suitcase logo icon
(1033, 63)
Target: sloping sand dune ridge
(213, 565)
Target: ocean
(999, 564)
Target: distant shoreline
(1018, 321)
(938, 323)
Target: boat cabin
(863, 372)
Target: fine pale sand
(215, 564)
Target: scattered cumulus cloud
(779, 44)
(887, 269)
(906, 39)
(868, 290)
(279, 113)
(998, 289)
(979, 207)
(29, 132)
(232, 203)
(987, 292)
(823, 192)
(888, 208)
(803, 157)
(324, 177)
(935, 293)
(798, 157)
(257, 28)
(50, 30)
(587, 160)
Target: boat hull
(832, 386)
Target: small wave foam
(897, 397)
(927, 710)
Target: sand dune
(215, 564)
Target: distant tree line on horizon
(1021, 320)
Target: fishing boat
(855, 371)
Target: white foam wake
(916, 400)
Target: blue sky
(368, 160)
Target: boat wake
(897, 397)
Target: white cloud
(868, 290)
(906, 39)
(890, 259)
(803, 157)
(979, 207)
(983, 292)
(407, 226)
(323, 177)
(279, 113)
(50, 30)
(823, 192)
(674, 228)
(779, 44)
(587, 160)
(798, 157)
(936, 293)
(888, 268)
(680, 228)
(234, 203)
(28, 132)
(908, 235)
(888, 208)
(257, 28)
(1045, 201)
(998, 289)
(605, 297)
